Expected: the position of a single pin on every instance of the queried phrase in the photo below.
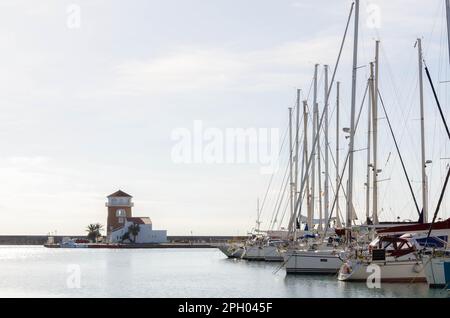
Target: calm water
(41, 272)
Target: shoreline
(181, 240)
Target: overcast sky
(92, 92)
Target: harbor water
(35, 271)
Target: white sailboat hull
(254, 253)
(402, 271)
(231, 251)
(272, 254)
(313, 262)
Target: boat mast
(319, 173)
(305, 160)
(352, 122)
(297, 145)
(291, 181)
(313, 150)
(422, 135)
(375, 137)
(369, 124)
(338, 220)
(326, 185)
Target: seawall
(42, 239)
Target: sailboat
(233, 250)
(397, 253)
(402, 253)
(323, 256)
(437, 262)
(270, 245)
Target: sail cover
(448, 26)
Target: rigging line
(279, 195)
(448, 135)
(398, 100)
(303, 195)
(274, 216)
(315, 138)
(273, 174)
(279, 200)
(399, 154)
(284, 213)
(437, 101)
(346, 161)
(438, 205)
(386, 190)
(310, 88)
(440, 7)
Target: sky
(97, 96)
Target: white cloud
(28, 161)
(196, 69)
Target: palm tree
(134, 229)
(124, 237)
(94, 231)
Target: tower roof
(119, 193)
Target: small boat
(73, 244)
(396, 258)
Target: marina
(316, 238)
(340, 191)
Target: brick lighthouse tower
(119, 208)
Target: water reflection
(41, 272)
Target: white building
(121, 222)
(146, 234)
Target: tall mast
(369, 124)
(448, 26)
(375, 137)
(326, 185)
(291, 181)
(352, 121)
(338, 220)
(305, 160)
(319, 172)
(422, 135)
(313, 150)
(297, 145)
